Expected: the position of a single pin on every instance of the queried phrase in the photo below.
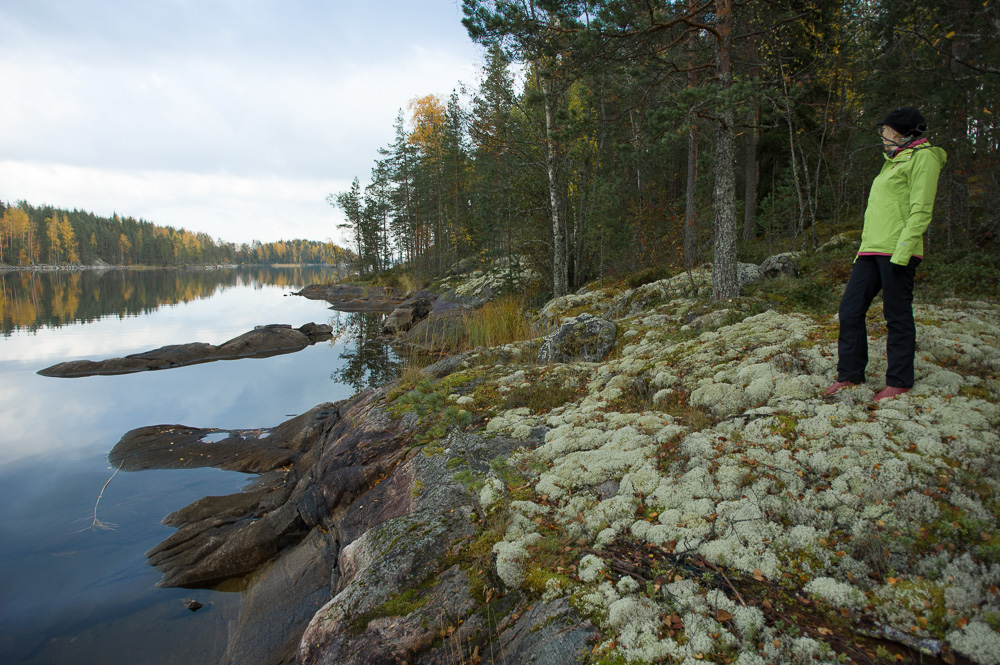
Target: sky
(234, 118)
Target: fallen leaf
(758, 574)
(722, 615)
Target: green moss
(481, 547)
(400, 604)
(540, 397)
(976, 392)
(614, 659)
(471, 480)
(536, 580)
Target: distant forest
(31, 235)
(603, 137)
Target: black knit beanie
(906, 120)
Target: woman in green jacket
(899, 209)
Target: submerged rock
(261, 342)
(192, 604)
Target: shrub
(647, 276)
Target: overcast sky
(231, 117)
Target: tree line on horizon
(44, 235)
(604, 136)
(32, 300)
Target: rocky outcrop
(343, 507)
(404, 591)
(779, 265)
(222, 537)
(693, 494)
(444, 325)
(408, 314)
(261, 342)
(585, 337)
(353, 297)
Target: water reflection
(70, 594)
(31, 300)
(368, 358)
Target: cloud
(240, 122)
(241, 116)
(235, 208)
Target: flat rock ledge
(351, 543)
(353, 297)
(261, 342)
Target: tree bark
(559, 264)
(692, 162)
(689, 203)
(725, 282)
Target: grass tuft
(498, 322)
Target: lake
(74, 584)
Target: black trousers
(870, 275)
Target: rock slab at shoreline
(262, 342)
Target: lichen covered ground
(699, 498)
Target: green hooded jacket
(900, 203)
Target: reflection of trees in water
(368, 359)
(32, 300)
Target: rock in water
(192, 604)
(261, 342)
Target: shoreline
(47, 267)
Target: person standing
(899, 209)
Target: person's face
(890, 138)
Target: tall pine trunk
(725, 282)
(692, 162)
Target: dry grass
(498, 322)
(409, 284)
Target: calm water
(72, 593)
